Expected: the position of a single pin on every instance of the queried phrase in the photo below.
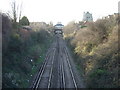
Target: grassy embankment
(23, 52)
(95, 51)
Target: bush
(98, 79)
(95, 48)
(23, 52)
(98, 73)
(6, 31)
(24, 21)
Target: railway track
(45, 71)
(56, 71)
(68, 78)
(70, 68)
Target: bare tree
(16, 11)
(20, 12)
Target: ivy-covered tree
(24, 21)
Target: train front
(58, 28)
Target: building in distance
(87, 17)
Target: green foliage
(97, 78)
(83, 26)
(24, 53)
(24, 21)
(98, 73)
(15, 43)
(6, 31)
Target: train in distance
(58, 28)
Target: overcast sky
(62, 10)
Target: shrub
(24, 21)
(98, 79)
(95, 48)
(22, 53)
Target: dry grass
(97, 44)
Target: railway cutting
(58, 69)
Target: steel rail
(51, 71)
(70, 68)
(41, 75)
(43, 65)
(63, 76)
(38, 79)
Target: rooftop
(59, 25)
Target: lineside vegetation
(95, 50)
